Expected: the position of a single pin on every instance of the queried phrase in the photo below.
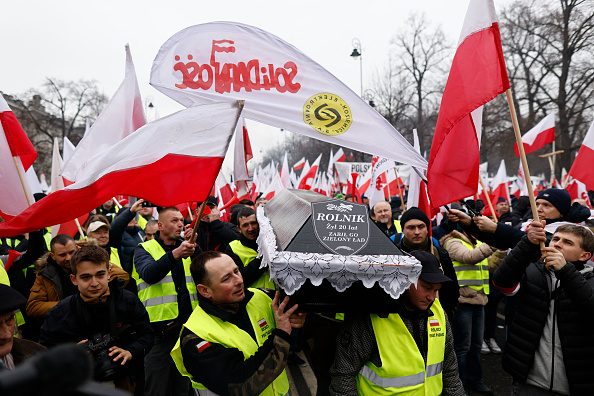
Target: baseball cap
(432, 271)
(94, 226)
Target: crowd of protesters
(167, 308)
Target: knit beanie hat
(558, 197)
(414, 213)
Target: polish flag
(16, 156)
(433, 322)
(365, 181)
(543, 133)
(67, 227)
(352, 187)
(563, 176)
(499, 184)
(242, 153)
(282, 87)
(582, 165)
(275, 186)
(307, 179)
(225, 192)
(299, 164)
(123, 115)
(417, 187)
(154, 163)
(577, 189)
(284, 174)
(476, 77)
(340, 156)
(378, 179)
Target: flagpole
(80, 230)
(487, 195)
(516, 125)
(16, 164)
(190, 212)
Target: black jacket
(252, 271)
(152, 271)
(574, 302)
(73, 320)
(216, 235)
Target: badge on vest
(202, 346)
(435, 328)
(265, 327)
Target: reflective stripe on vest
(212, 329)
(160, 299)
(403, 368)
(114, 257)
(246, 255)
(476, 276)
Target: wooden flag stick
(487, 195)
(190, 212)
(514, 117)
(80, 230)
(22, 179)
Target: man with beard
(383, 219)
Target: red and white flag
(275, 186)
(299, 164)
(308, 178)
(379, 165)
(577, 189)
(477, 76)
(417, 188)
(365, 181)
(224, 189)
(242, 153)
(582, 165)
(499, 184)
(16, 156)
(284, 174)
(281, 86)
(340, 156)
(191, 141)
(543, 133)
(123, 115)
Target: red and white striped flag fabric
(375, 192)
(499, 184)
(242, 153)
(308, 178)
(340, 156)
(281, 86)
(299, 164)
(191, 141)
(275, 186)
(543, 133)
(16, 155)
(284, 174)
(582, 165)
(477, 76)
(123, 115)
(577, 189)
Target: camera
(105, 368)
(147, 204)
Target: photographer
(110, 321)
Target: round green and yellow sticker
(327, 113)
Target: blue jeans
(468, 326)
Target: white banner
(281, 87)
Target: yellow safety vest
(213, 329)
(398, 226)
(403, 369)
(160, 299)
(142, 222)
(48, 238)
(246, 255)
(114, 257)
(476, 276)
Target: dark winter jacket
(574, 311)
(216, 235)
(252, 271)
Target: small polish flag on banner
(299, 164)
(433, 322)
(202, 345)
(16, 156)
(477, 76)
(582, 165)
(340, 156)
(308, 178)
(154, 163)
(262, 322)
(281, 86)
(543, 133)
(123, 115)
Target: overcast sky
(71, 40)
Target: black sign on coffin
(340, 226)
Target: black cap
(212, 200)
(10, 299)
(432, 271)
